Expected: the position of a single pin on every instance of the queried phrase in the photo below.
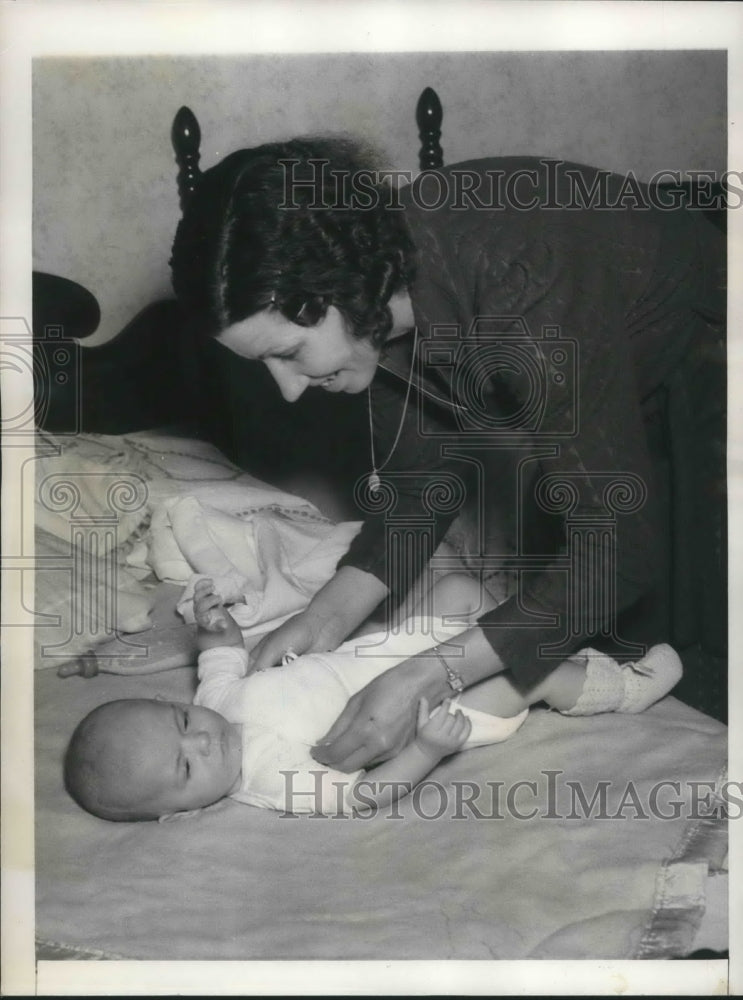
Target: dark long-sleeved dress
(544, 327)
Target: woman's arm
(380, 719)
(345, 601)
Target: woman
(507, 318)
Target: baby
(250, 736)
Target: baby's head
(140, 759)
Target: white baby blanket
(266, 565)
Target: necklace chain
(374, 482)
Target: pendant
(373, 482)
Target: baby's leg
(496, 696)
(500, 696)
(455, 595)
(586, 684)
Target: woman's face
(300, 356)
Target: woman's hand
(339, 607)
(381, 719)
(304, 633)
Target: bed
(538, 848)
(456, 877)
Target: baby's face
(173, 757)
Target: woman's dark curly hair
(254, 236)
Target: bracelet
(455, 680)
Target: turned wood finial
(186, 138)
(429, 115)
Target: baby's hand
(217, 627)
(208, 609)
(442, 733)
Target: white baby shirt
(284, 711)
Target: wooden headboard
(186, 138)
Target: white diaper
(487, 728)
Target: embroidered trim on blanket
(680, 898)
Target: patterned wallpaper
(105, 200)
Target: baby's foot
(648, 680)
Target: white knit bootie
(603, 688)
(650, 679)
(627, 688)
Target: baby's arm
(436, 737)
(217, 627)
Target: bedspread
(456, 872)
